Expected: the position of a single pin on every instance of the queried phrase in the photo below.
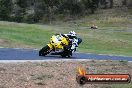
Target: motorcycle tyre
(44, 51)
(66, 52)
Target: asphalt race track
(30, 54)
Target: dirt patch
(3, 42)
(60, 74)
(8, 43)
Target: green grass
(32, 35)
(114, 35)
(94, 41)
(109, 18)
(105, 42)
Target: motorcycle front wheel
(44, 51)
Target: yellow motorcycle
(58, 45)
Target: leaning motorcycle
(59, 45)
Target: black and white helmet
(72, 33)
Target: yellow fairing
(51, 47)
(57, 42)
(64, 41)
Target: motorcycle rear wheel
(44, 51)
(66, 52)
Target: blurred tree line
(33, 11)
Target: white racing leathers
(74, 41)
(74, 44)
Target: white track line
(55, 60)
(106, 54)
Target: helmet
(72, 33)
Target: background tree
(5, 9)
(91, 4)
(111, 3)
(33, 11)
(19, 10)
